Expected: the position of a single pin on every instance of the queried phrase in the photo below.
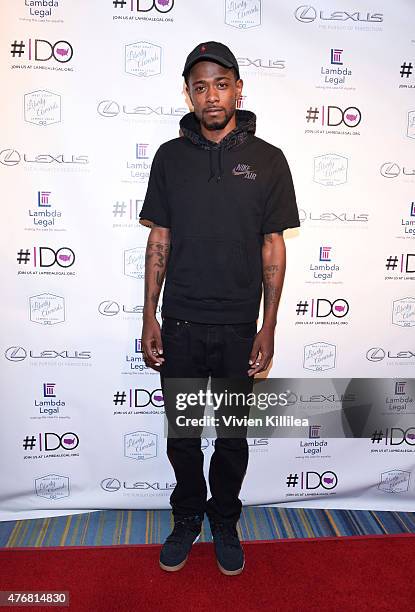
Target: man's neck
(218, 135)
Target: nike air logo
(244, 170)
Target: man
(218, 200)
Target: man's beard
(217, 124)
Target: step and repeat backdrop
(89, 92)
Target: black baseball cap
(214, 51)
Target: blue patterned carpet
(112, 527)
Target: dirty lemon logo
(244, 170)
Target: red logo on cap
(202, 49)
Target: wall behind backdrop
(90, 90)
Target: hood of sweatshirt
(245, 126)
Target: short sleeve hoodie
(218, 199)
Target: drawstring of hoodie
(220, 149)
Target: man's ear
(239, 86)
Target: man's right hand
(151, 343)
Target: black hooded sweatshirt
(218, 199)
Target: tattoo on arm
(153, 297)
(270, 271)
(156, 253)
(273, 269)
(156, 262)
(270, 237)
(271, 294)
(271, 291)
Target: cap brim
(208, 56)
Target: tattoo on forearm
(271, 294)
(153, 297)
(270, 237)
(159, 278)
(271, 290)
(270, 271)
(155, 261)
(157, 250)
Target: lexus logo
(111, 484)
(9, 157)
(305, 13)
(109, 308)
(375, 354)
(390, 170)
(108, 108)
(16, 353)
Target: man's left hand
(262, 350)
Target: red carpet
(355, 574)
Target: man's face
(213, 91)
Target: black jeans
(196, 350)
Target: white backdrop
(90, 90)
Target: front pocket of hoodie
(210, 268)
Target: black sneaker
(229, 553)
(176, 548)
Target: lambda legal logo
(49, 389)
(245, 171)
(43, 199)
(141, 151)
(325, 253)
(400, 387)
(240, 102)
(336, 56)
(314, 431)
